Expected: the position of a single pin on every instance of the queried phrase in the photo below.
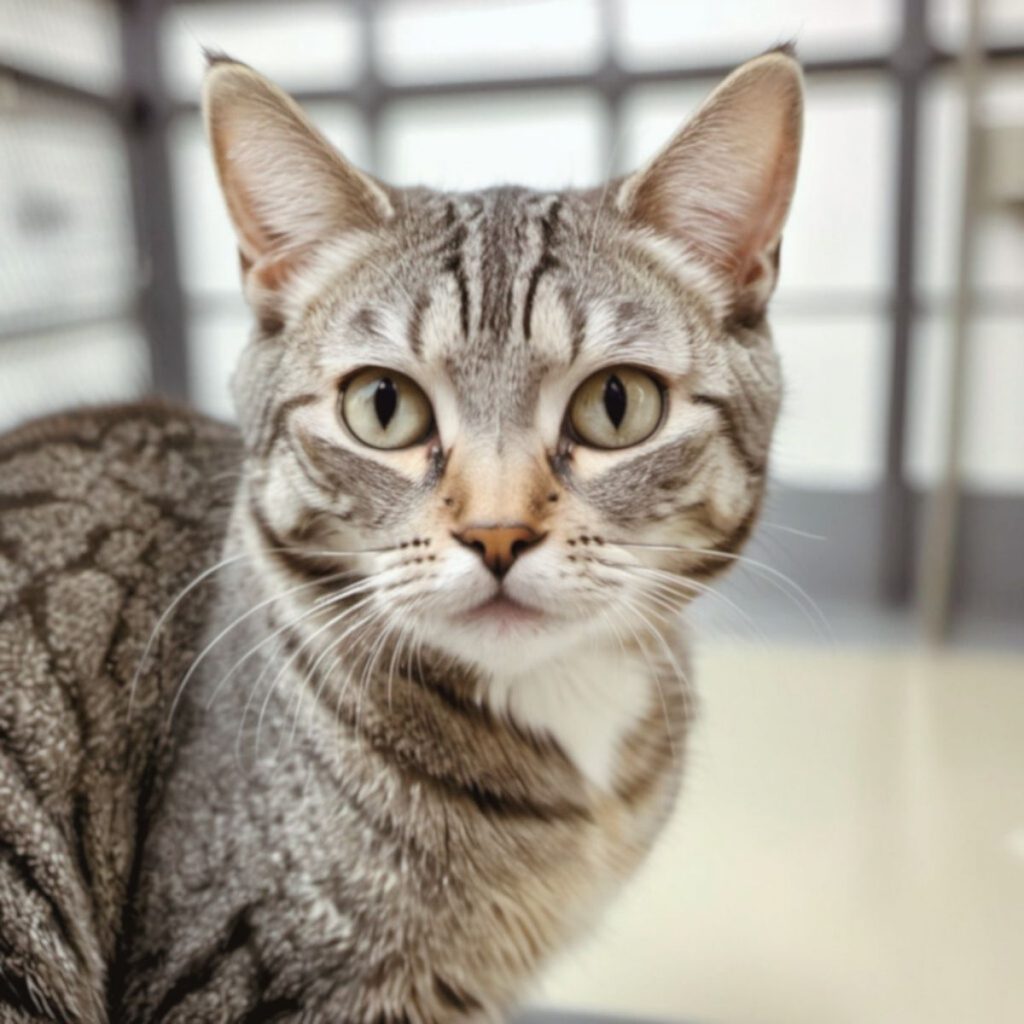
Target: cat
(362, 711)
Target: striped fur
(330, 790)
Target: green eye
(385, 409)
(616, 408)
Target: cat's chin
(503, 636)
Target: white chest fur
(587, 702)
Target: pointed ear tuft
(287, 188)
(722, 186)
(218, 57)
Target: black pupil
(614, 400)
(385, 401)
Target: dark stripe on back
(21, 998)
(455, 998)
(21, 869)
(271, 1010)
(200, 973)
(387, 1017)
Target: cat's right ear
(722, 186)
(287, 189)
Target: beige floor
(849, 848)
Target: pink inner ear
(755, 273)
(722, 186)
(272, 274)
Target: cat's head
(538, 414)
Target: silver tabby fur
(257, 761)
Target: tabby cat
(360, 712)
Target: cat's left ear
(287, 189)
(722, 186)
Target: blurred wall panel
(65, 227)
(68, 281)
(72, 40)
(830, 432)
(300, 44)
(658, 33)
(1004, 21)
(1000, 269)
(217, 333)
(468, 39)
(993, 453)
(994, 431)
(63, 368)
(544, 140)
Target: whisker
(334, 643)
(332, 621)
(352, 590)
(654, 675)
(168, 611)
(237, 622)
(681, 676)
(793, 530)
(210, 571)
(367, 676)
(697, 588)
(797, 594)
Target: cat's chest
(587, 704)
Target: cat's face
(536, 416)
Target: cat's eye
(385, 409)
(616, 407)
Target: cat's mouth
(503, 610)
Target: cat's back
(105, 515)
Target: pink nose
(499, 545)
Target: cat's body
(106, 516)
(364, 714)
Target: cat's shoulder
(88, 426)
(153, 447)
(113, 490)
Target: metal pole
(160, 296)
(910, 63)
(611, 85)
(369, 95)
(938, 553)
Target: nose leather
(499, 545)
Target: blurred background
(851, 844)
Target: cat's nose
(499, 545)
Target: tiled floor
(849, 848)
